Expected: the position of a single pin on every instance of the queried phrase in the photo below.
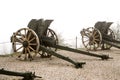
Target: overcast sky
(70, 16)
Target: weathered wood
(77, 64)
(26, 75)
(103, 57)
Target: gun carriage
(25, 75)
(99, 36)
(38, 38)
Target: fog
(70, 16)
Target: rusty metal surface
(103, 26)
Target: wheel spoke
(19, 34)
(25, 33)
(86, 36)
(31, 48)
(97, 36)
(19, 48)
(97, 40)
(33, 44)
(28, 50)
(30, 56)
(18, 43)
(25, 53)
(94, 33)
(29, 35)
(52, 34)
(32, 39)
(48, 33)
(86, 40)
(20, 40)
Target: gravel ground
(57, 69)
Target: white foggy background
(70, 17)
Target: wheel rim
(91, 38)
(26, 43)
(105, 46)
(49, 33)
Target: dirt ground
(57, 69)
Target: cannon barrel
(109, 38)
(111, 43)
(48, 41)
(103, 57)
(26, 75)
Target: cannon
(38, 38)
(99, 36)
(25, 75)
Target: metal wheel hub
(25, 44)
(91, 38)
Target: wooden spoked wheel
(50, 33)
(26, 43)
(91, 38)
(105, 46)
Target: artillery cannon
(38, 38)
(26, 75)
(99, 36)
